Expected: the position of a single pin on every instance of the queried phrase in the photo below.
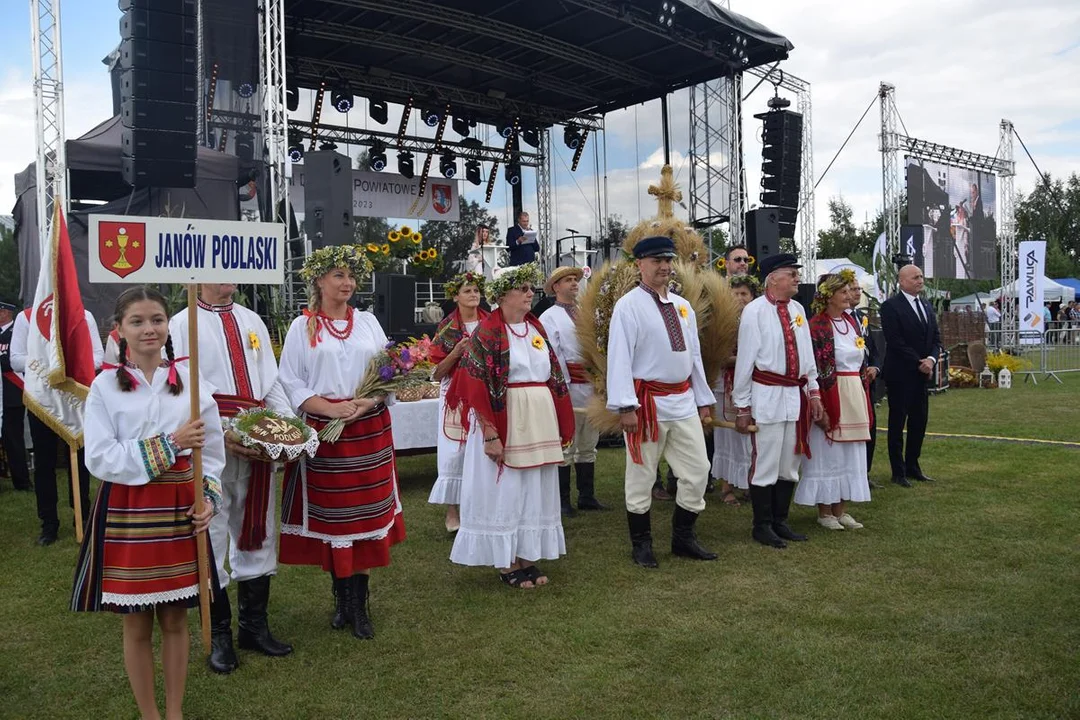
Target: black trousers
(46, 446)
(873, 437)
(14, 439)
(909, 403)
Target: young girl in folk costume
(517, 414)
(731, 450)
(340, 510)
(138, 557)
(835, 472)
(451, 341)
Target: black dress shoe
(786, 533)
(920, 476)
(901, 481)
(46, 538)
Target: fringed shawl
(449, 334)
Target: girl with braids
(835, 471)
(340, 510)
(138, 557)
(731, 450)
(451, 341)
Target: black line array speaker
(395, 303)
(159, 92)
(781, 167)
(328, 217)
(763, 233)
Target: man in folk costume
(657, 384)
(237, 362)
(775, 387)
(559, 321)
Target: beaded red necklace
(514, 332)
(842, 327)
(328, 323)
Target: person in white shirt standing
(237, 361)
(559, 322)
(46, 442)
(657, 384)
(775, 388)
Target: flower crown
(512, 277)
(453, 285)
(828, 287)
(746, 281)
(326, 259)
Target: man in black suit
(12, 432)
(873, 369)
(522, 249)
(912, 347)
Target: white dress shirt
(562, 334)
(638, 349)
(21, 331)
(215, 363)
(761, 345)
(333, 368)
(115, 422)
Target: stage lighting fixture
(328, 145)
(378, 111)
(342, 99)
(430, 117)
(531, 136)
(405, 164)
(667, 14)
(448, 164)
(513, 173)
(245, 146)
(463, 125)
(245, 89)
(377, 156)
(473, 171)
(778, 103)
(571, 137)
(292, 97)
(405, 113)
(505, 130)
(296, 152)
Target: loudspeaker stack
(159, 92)
(395, 304)
(328, 217)
(781, 169)
(763, 233)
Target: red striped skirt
(139, 548)
(340, 510)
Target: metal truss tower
(48, 112)
(890, 171)
(1007, 231)
(543, 199)
(717, 176)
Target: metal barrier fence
(1047, 354)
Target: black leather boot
(342, 613)
(222, 657)
(641, 539)
(564, 492)
(586, 487)
(362, 628)
(782, 492)
(761, 500)
(253, 596)
(684, 542)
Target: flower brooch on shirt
(798, 321)
(538, 342)
(860, 343)
(253, 338)
(683, 312)
(865, 322)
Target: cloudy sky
(959, 67)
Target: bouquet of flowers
(394, 368)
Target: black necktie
(919, 311)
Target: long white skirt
(835, 472)
(505, 517)
(731, 457)
(451, 459)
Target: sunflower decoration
(417, 238)
(683, 312)
(426, 262)
(393, 236)
(538, 342)
(828, 286)
(404, 242)
(385, 249)
(720, 264)
(860, 343)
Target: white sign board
(387, 195)
(1029, 289)
(133, 249)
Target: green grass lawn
(958, 600)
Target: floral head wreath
(326, 259)
(453, 285)
(747, 281)
(509, 278)
(828, 286)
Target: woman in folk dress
(340, 510)
(518, 417)
(731, 450)
(451, 341)
(835, 473)
(138, 557)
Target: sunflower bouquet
(403, 242)
(396, 367)
(427, 262)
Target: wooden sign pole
(76, 494)
(196, 465)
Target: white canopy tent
(1052, 291)
(867, 281)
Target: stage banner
(386, 195)
(134, 249)
(1029, 290)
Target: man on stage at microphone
(523, 249)
(237, 361)
(775, 388)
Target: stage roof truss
(933, 152)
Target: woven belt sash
(648, 425)
(802, 425)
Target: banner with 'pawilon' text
(1029, 290)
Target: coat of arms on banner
(441, 198)
(43, 317)
(122, 247)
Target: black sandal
(533, 574)
(514, 578)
